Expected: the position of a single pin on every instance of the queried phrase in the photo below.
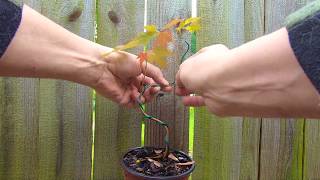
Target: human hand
(60, 54)
(261, 78)
(207, 61)
(121, 78)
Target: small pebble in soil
(150, 162)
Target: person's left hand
(121, 79)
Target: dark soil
(151, 162)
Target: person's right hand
(197, 72)
(261, 78)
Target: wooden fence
(46, 126)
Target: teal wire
(145, 87)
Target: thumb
(181, 90)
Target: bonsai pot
(148, 163)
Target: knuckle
(217, 108)
(158, 71)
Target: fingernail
(165, 82)
(157, 89)
(143, 100)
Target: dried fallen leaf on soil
(185, 164)
(171, 156)
(159, 151)
(158, 164)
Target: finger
(193, 101)
(179, 83)
(142, 79)
(148, 92)
(125, 98)
(166, 89)
(130, 105)
(182, 91)
(135, 95)
(180, 88)
(154, 73)
(196, 54)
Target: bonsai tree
(157, 162)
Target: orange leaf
(172, 23)
(163, 39)
(143, 56)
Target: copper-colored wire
(147, 116)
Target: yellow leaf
(193, 27)
(180, 27)
(151, 29)
(141, 39)
(192, 20)
(172, 23)
(159, 56)
(190, 24)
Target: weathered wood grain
(251, 127)
(117, 129)
(227, 148)
(169, 107)
(65, 124)
(46, 125)
(217, 141)
(281, 139)
(311, 158)
(19, 125)
(18, 134)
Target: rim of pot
(156, 177)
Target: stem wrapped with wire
(149, 117)
(158, 121)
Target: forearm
(43, 49)
(268, 71)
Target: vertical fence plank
(117, 129)
(65, 125)
(254, 27)
(227, 148)
(282, 139)
(19, 125)
(218, 141)
(46, 126)
(169, 108)
(311, 159)
(281, 149)
(311, 166)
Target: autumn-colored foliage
(159, 51)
